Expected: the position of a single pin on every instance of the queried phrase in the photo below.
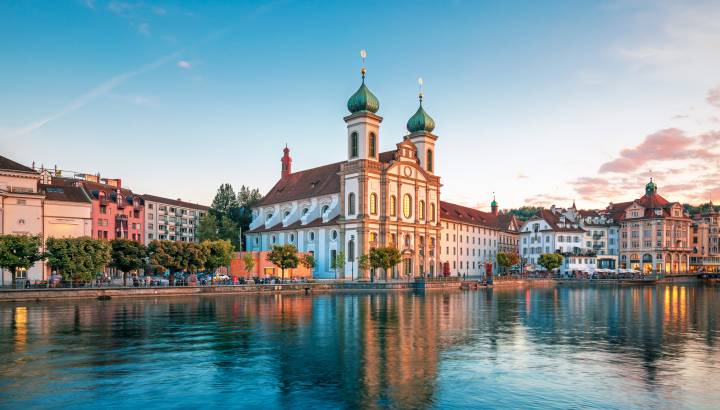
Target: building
(655, 234)
(373, 199)
(171, 219)
(34, 203)
(706, 242)
(21, 210)
(471, 239)
(553, 230)
(117, 213)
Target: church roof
(312, 182)
(471, 216)
(10, 165)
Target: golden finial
(363, 54)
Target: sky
(538, 102)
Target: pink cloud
(667, 144)
(713, 97)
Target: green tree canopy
(195, 254)
(225, 201)
(167, 256)
(339, 262)
(284, 257)
(207, 229)
(19, 252)
(219, 253)
(503, 260)
(550, 261)
(308, 261)
(78, 259)
(127, 256)
(229, 230)
(249, 262)
(384, 257)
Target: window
(324, 209)
(407, 206)
(292, 237)
(333, 259)
(312, 236)
(354, 145)
(373, 204)
(373, 145)
(351, 204)
(393, 205)
(305, 211)
(333, 235)
(421, 210)
(373, 237)
(430, 160)
(432, 213)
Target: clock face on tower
(407, 171)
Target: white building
(171, 219)
(550, 231)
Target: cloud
(713, 97)
(89, 4)
(98, 91)
(144, 29)
(667, 144)
(184, 64)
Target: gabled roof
(10, 165)
(553, 220)
(312, 182)
(94, 188)
(471, 216)
(65, 193)
(176, 202)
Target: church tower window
(432, 212)
(430, 160)
(393, 205)
(351, 204)
(407, 206)
(373, 145)
(373, 204)
(354, 145)
(421, 210)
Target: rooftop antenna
(363, 54)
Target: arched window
(421, 210)
(324, 209)
(373, 237)
(351, 204)
(393, 205)
(373, 204)
(430, 160)
(354, 145)
(432, 212)
(351, 250)
(373, 145)
(407, 206)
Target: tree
(247, 199)
(339, 262)
(19, 252)
(229, 230)
(514, 258)
(284, 257)
(219, 253)
(525, 212)
(249, 262)
(207, 229)
(225, 201)
(308, 261)
(385, 257)
(78, 259)
(364, 263)
(550, 261)
(503, 260)
(195, 254)
(167, 256)
(127, 256)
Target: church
(373, 199)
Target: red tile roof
(471, 216)
(305, 184)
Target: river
(550, 347)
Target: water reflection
(522, 348)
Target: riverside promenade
(450, 284)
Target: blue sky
(539, 102)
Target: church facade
(370, 199)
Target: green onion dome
(493, 203)
(420, 121)
(363, 100)
(650, 188)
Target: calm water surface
(638, 347)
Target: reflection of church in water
(373, 199)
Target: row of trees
(81, 259)
(230, 215)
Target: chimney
(286, 163)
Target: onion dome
(650, 188)
(494, 203)
(363, 99)
(420, 121)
